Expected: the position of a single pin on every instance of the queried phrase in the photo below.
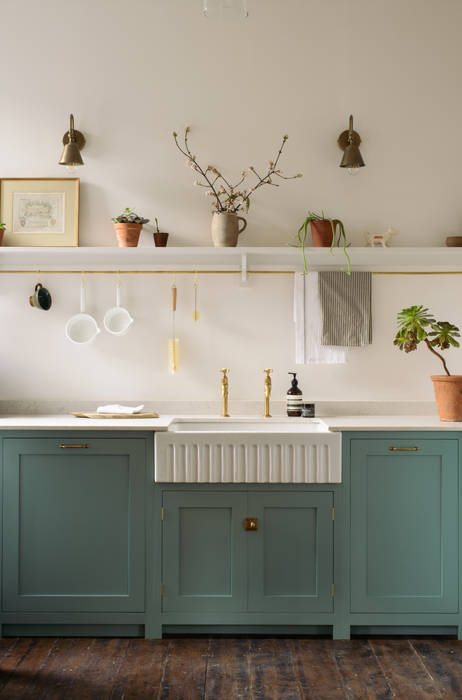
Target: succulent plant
(2, 226)
(128, 216)
(416, 325)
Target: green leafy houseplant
(128, 216)
(338, 236)
(2, 226)
(417, 325)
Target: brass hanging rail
(208, 272)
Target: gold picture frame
(40, 211)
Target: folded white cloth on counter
(307, 319)
(118, 408)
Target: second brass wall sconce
(73, 141)
(349, 142)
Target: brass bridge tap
(267, 392)
(225, 392)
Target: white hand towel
(307, 319)
(118, 408)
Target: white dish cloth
(118, 408)
(307, 319)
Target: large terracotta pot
(128, 235)
(225, 229)
(2, 231)
(321, 233)
(448, 394)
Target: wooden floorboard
(229, 669)
(443, 660)
(407, 676)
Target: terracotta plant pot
(128, 235)
(160, 239)
(2, 231)
(448, 394)
(321, 233)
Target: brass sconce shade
(349, 143)
(73, 141)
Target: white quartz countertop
(334, 423)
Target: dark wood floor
(224, 669)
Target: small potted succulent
(2, 231)
(417, 325)
(128, 227)
(160, 237)
(325, 233)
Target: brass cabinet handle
(75, 447)
(404, 449)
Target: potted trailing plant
(128, 227)
(2, 231)
(417, 325)
(229, 201)
(325, 233)
(160, 237)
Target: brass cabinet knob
(251, 524)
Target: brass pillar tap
(225, 392)
(267, 392)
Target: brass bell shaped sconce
(349, 143)
(73, 141)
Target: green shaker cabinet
(211, 563)
(404, 525)
(73, 524)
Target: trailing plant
(228, 197)
(338, 237)
(417, 325)
(128, 216)
(2, 226)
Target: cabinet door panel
(204, 556)
(290, 556)
(73, 525)
(404, 521)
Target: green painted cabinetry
(73, 524)
(404, 525)
(212, 564)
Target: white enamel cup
(82, 328)
(117, 320)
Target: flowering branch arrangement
(227, 197)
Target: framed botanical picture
(40, 211)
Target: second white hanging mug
(117, 320)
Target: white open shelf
(203, 258)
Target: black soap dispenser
(294, 398)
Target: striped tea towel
(345, 302)
(307, 319)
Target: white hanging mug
(82, 328)
(117, 320)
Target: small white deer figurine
(377, 240)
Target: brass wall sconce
(349, 143)
(73, 141)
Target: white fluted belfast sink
(261, 451)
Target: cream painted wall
(133, 72)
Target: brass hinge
(332, 590)
(333, 513)
(162, 590)
(162, 513)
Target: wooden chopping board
(115, 415)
